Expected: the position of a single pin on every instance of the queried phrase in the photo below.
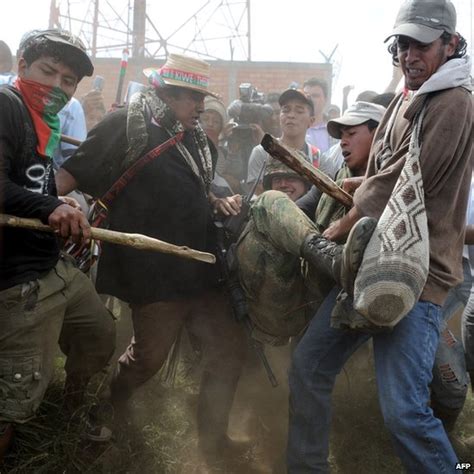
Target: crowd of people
(174, 163)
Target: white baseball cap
(357, 114)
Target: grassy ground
(162, 438)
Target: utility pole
(249, 39)
(139, 27)
(53, 15)
(95, 26)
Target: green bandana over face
(43, 103)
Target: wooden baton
(70, 140)
(305, 169)
(137, 241)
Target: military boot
(324, 255)
(339, 262)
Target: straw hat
(181, 71)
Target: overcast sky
(281, 31)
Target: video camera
(249, 108)
(250, 94)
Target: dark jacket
(27, 189)
(165, 200)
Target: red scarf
(43, 103)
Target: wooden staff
(305, 169)
(137, 241)
(70, 140)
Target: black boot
(340, 262)
(324, 255)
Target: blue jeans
(468, 333)
(450, 381)
(403, 363)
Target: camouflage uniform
(281, 290)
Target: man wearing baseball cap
(296, 115)
(43, 297)
(437, 80)
(170, 200)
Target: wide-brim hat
(425, 20)
(295, 94)
(357, 114)
(182, 71)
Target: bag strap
(106, 200)
(416, 130)
(386, 152)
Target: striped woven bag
(395, 266)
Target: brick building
(226, 76)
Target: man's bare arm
(340, 229)
(65, 182)
(228, 206)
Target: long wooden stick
(70, 140)
(303, 168)
(137, 241)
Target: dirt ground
(163, 439)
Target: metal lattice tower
(217, 29)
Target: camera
(250, 107)
(249, 94)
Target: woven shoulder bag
(395, 265)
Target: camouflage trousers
(281, 292)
